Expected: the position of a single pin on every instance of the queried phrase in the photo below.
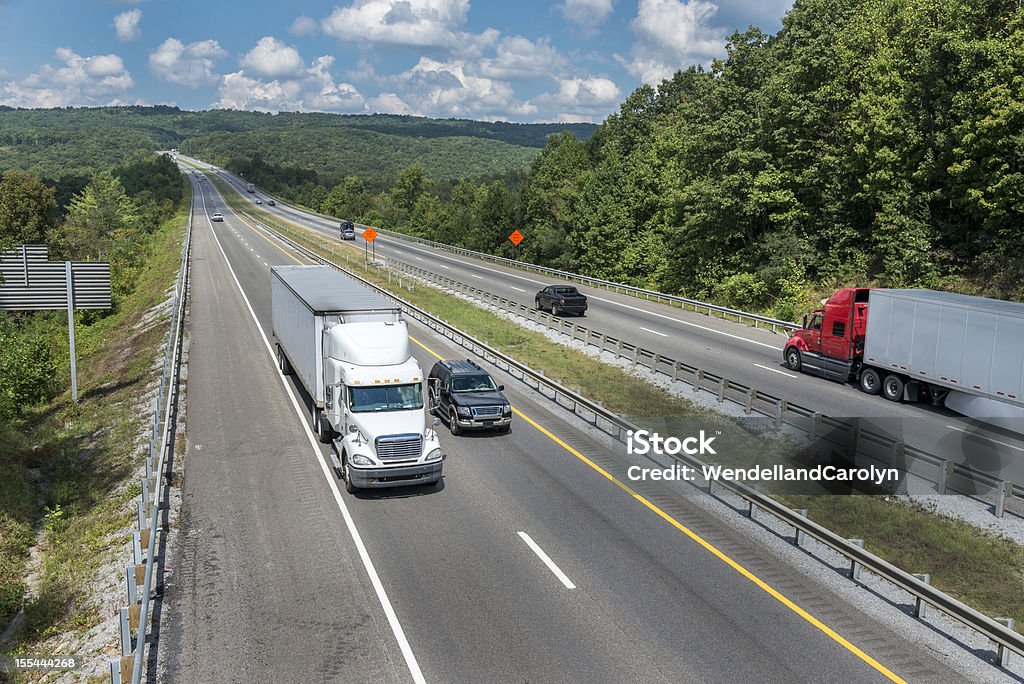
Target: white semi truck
(349, 348)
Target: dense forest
(57, 142)
(867, 142)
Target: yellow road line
(771, 591)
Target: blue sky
(567, 60)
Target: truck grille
(486, 411)
(399, 447)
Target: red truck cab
(831, 341)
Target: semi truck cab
(831, 341)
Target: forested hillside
(56, 142)
(874, 141)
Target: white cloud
(417, 23)
(672, 35)
(389, 103)
(311, 90)
(190, 65)
(435, 88)
(80, 81)
(126, 24)
(587, 14)
(582, 99)
(272, 58)
(303, 26)
(519, 58)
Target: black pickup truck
(559, 299)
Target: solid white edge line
(775, 370)
(547, 561)
(653, 331)
(987, 439)
(378, 586)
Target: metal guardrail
(851, 437)
(139, 577)
(1001, 634)
(697, 306)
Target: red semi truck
(962, 351)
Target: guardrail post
(899, 450)
(636, 355)
(618, 349)
(855, 567)
(815, 425)
(675, 370)
(126, 632)
(751, 509)
(798, 535)
(945, 470)
(749, 406)
(854, 438)
(1003, 492)
(1002, 652)
(722, 384)
(699, 378)
(654, 364)
(920, 607)
(780, 409)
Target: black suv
(348, 230)
(464, 394)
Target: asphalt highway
(746, 355)
(534, 561)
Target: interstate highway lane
(745, 355)
(473, 599)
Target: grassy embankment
(980, 568)
(66, 469)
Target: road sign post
(370, 235)
(30, 282)
(515, 238)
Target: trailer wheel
(282, 361)
(870, 381)
(892, 388)
(323, 429)
(793, 361)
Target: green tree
(27, 210)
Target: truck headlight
(506, 410)
(434, 455)
(360, 460)
(464, 411)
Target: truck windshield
(473, 383)
(387, 398)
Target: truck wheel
(323, 428)
(453, 422)
(349, 487)
(536, 303)
(870, 381)
(892, 388)
(282, 361)
(793, 359)
(554, 309)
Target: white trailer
(250, 188)
(349, 348)
(968, 352)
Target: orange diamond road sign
(516, 237)
(369, 234)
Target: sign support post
(71, 329)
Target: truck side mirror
(352, 429)
(805, 321)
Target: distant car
(217, 216)
(271, 203)
(348, 230)
(259, 201)
(464, 394)
(560, 299)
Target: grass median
(979, 567)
